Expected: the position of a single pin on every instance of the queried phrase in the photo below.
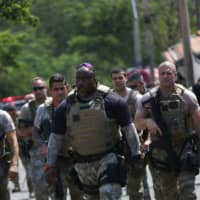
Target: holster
(114, 173)
(5, 162)
(191, 162)
(25, 147)
(88, 189)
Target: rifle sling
(165, 138)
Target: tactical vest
(174, 115)
(131, 102)
(90, 131)
(33, 108)
(45, 127)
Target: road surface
(23, 195)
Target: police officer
(135, 185)
(25, 124)
(168, 111)
(90, 117)
(58, 89)
(8, 160)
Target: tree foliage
(17, 10)
(70, 32)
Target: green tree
(17, 10)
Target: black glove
(137, 162)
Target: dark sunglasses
(38, 88)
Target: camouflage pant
(91, 173)
(168, 186)
(4, 192)
(137, 186)
(38, 176)
(26, 163)
(65, 166)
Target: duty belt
(89, 158)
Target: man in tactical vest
(25, 125)
(89, 120)
(8, 160)
(58, 89)
(168, 112)
(135, 186)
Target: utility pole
(136, 35)
(149, 37)
(197, 5)
(185, 27)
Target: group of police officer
(94, 140)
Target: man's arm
(54, 146)
(194, 109)
(57, 135)
(196, 122)
(132, 139)
(143, 122)
(117, 109)
(12, 140)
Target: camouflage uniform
(26, 119)
(97, 165)
(91, 173)
(42, 130)
(173, 179)
(6, 125)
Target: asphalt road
(23, 195)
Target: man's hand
(152, 127)
(44, 151)
(138, 163)
(50, 174)
(13, 171)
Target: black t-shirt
(115, 107)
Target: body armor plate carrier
(90, 131)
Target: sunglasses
(38, 88)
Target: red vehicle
(18, 101)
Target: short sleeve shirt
(6, 123)
(191, 104)
(115, 107)
(25, 113)
(41, 114)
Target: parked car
(18, 101)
